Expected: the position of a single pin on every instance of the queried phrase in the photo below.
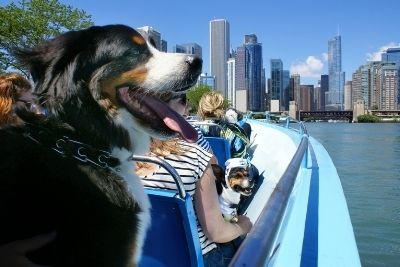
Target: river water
(367, 158)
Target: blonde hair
(211, 105)
(11, 86)
(162, 148)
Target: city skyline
(297, 32)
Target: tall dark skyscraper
(285, 90)
(324, 89)
(219, 53)
(277, 80)
(248, 72)
(254, 72)
(335, 96)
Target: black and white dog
(237, 181)
(104, 89)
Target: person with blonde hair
(211, 110)
(14, 90)
(211, 106)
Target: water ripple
(367, 157)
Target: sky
(296, 31)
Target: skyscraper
(254, 72)
(231, 89)
(240, 68)
(277, 80)
(336, 76)
(387, 78)
(295, 87)
(164, 45)
(219, 53)
(285, 90)
(393, 55)
(348, 104)
(324, 90)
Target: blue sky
(296, 31)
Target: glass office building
(277, 80)
(335, 97)
(219, 53)
(254, 73)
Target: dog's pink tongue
(172, 120)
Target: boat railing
(258, 245)
(174, 174)
(282, 120)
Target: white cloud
(376, 56)
(311, 68)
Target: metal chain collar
(67, 147)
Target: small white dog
(238, 180)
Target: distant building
(316, 98)
(231, 92)
(164, 46)
(254, 73)
(295, 87)
(361, 90)
(285, 90)
(150, 33)
(275, 105)
(219, 52)
(348, 102)
(276, 80)
(263, 90)
(306, 97)
(336, 76)
(190, 48)
(240, 69)
(387, 80)
(324, 89)
(207, 80)
(241, 100)
(393, 55)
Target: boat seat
(172, 239)
(221, 149)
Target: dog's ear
(31, 61)
(218, 172)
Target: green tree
(29, 23)
(368, 118)
(194, 95)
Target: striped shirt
(190, 166)
(201, 141)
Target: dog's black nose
(195, 63)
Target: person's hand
(244, 223)
(13, 253)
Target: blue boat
(298, 209)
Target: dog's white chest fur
(228, 201)
(127, 171)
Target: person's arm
(209, 215)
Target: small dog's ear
(218, 172)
